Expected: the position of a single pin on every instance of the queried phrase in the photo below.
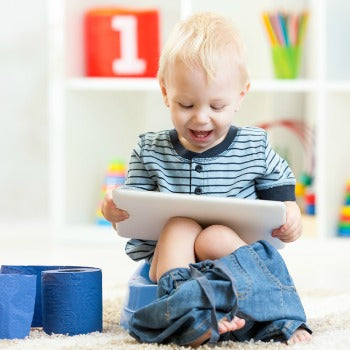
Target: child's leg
(183, 241)
(215, 242)
(212, 243)
(175, 247)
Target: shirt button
(198, 190)
(198, 168)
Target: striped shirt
(243, 165)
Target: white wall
(338, 32)
(23, 128)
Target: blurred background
(68, 125)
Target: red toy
(121, 42)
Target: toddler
(203, 79)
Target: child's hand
(111, 212)
(293, 227)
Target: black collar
(211, 152)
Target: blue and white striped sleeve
(138, 177)
(278, 182)
(138, 249)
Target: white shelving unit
(93, 120)
(112, 84)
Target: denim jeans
(252, 283)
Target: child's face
(201, 111)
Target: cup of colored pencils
(286, 34)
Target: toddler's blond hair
(200, 42)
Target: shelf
(112, 84)
(151, 84)
(338, 86)
(288, 85)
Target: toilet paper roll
(17, 298)
(72, 301)
(34, 270)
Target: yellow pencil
(269, 29)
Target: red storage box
(121, 42)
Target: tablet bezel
(252, 219)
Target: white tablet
(252, 219)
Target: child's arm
(293, 227)
(111, 212)
(137, 178)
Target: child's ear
(242, 95)
(164, 92)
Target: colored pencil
(269, 29)
(285, 29)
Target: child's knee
(181, 225)
(216, 241)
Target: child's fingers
(109, 201)
(288, 236)
(109, 210)
(276, 232)
(120, 215)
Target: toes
(230, 326)
(223, 327)
(301, 335)
(226, 326)
(304, 336)
(301, 338)
(240, 322)
(291, 341)
(237, 323)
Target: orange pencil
(293, 28)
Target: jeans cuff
(291, 326)
(172, 279)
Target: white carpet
(321, 270)
(328, 315)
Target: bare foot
(300, 335)
(224, 326)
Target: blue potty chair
(141, 292)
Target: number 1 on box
(128, 63)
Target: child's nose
(201, 116)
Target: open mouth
(200, 134)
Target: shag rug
(328, 316)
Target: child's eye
(185, 106)
(217, 108)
